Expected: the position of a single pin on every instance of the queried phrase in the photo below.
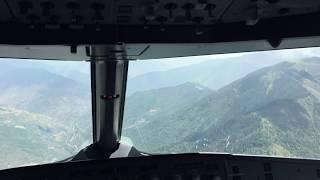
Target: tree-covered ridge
(272, 111)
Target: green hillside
(273, 111)
(30, 138)
(155, 103)
(44, 116)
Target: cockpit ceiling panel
(150, 51)
(242, 10)
(78, 13)
(4, 12)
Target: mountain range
(213, 73)
(250, 104)
(272, 111)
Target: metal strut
(109, 68)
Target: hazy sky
(289, 54)
(143, 66)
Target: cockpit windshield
(45, 111)
(258, 103)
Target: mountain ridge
(211, 73)
(261, 113)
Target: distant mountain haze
(212, 73)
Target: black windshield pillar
(109, 68)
